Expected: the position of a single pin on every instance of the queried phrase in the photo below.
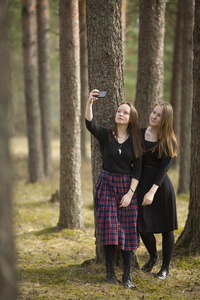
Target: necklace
(119, 145)
(119, 148)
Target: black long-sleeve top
(112, 161)
(150, 159)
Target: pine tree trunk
(150, 57)
(186, 104)
(44, 82)
(8, 276)
(105, 67)
(190, 237)
(29, 31)
(176, 86)
(84, 73)
(124, 4)
(70, 154)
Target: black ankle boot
(126, 278)
(110, 273)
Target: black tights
(149, 241)
(126, 255)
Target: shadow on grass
(87, 272)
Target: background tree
(150, 57)
(176, 84)
(186, 103)
(44, 82)
(29, 31)
(70, 154)
(190, 237)
(84, 73)
(8, 278)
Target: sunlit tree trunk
(44, 82)
(176, 86)
(70, 151)
(190, 237)
(84, 74)
(150, 57)
(186, 97)
(8, 276)
(29, 31)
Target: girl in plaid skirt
(116, 195)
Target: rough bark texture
(44, 82)
(176, 86)
(29, 31)
(186, 104)
(190, 237)
(124, 4)
(8, 278)
(84, 73)
(70, 154)
(150, 57)
(105, 67)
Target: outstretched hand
(93, 95)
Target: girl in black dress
(116, 196)
(156, 197)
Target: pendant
(120, 151)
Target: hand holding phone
(102, 94)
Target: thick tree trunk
(186, 104)
(124, 4)
(84, 73)
(8, 276)
(70, 159)
(105, 67)
(190, 237)
(176, 85)
(44, 82)
(150, 57)
(29, 31)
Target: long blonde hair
(133, 130)
(167, 142)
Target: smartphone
(102, 94)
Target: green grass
(61, 265)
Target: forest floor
(61, 265)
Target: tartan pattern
(116, 226)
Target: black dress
(161, 215)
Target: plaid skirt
(116, 226)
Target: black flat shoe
(127, 283)
(148, 266)
(162, 274)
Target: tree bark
(105, 68)
(176, 85)
(84, 74)
(29, 31)
(8, 276)
(186, 104)
(44, 82)
(150, 57)
(124, 4)
(190, 237)
(70, 154)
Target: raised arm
(88, 111)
